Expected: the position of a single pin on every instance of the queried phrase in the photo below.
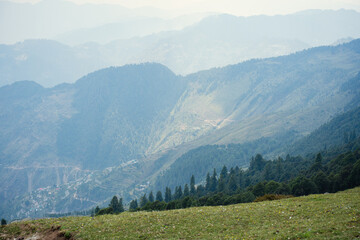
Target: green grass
(323, 216)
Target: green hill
(330, 216)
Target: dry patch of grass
(329, 216)
(271, 197)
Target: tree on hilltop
(151, 197)
(192, 185)
(159, 196)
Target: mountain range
(49, 19)
(117, 130)
(215, 41)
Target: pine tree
(213, 181)
(186, 190)
(167, 194)
(232, 183)
(151, 197)
(114, 204)
(192, 185)
(267, 171)
(175, 195)
(121, 206)
(208, 182)
(134, 204)
(257, 163)
(3, 222)
(200, 190)
(221, 185)
(178, 192)
(317, 164)
(224, 172)
(97, 209)
(159, 196)
(143, 200)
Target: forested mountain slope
(50, 136)
(341, 129)
(139, 119)
(330, 139)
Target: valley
(187, 119)
(116, 130)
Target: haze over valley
(104, 100)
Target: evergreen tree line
(203, 159)
(295, 176)
(341, 130)
(115, 206)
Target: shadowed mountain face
(213, 42)
(52, 136)
(142, 117)
(106, 118)
(118, 113)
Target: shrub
(271, 197)
(108, 210)
(3, 222)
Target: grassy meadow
(322, 216)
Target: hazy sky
(53, 18)
(237, 7)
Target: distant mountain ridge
(49, 18)
(128, 28)
(129, 124)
